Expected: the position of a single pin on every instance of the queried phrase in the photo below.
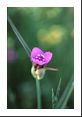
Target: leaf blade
(19, 37)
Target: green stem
(38, 91)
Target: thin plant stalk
(38, 91)
(19, 37)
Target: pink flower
(40, 57)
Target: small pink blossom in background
(40, 57)
(11, 55)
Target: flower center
(40, 57)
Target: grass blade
(58, 88)
(66, 95)
(55, 97)
(53, 100)
(19, 37)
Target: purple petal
(35, 52)
(48, 56)
(40, 57)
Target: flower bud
(38, 73)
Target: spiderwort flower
(39, 59)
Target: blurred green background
(50, 28)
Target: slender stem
(38, 91)
(19, 37)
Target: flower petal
(35, 52)
(48, 56)
(36, 55)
